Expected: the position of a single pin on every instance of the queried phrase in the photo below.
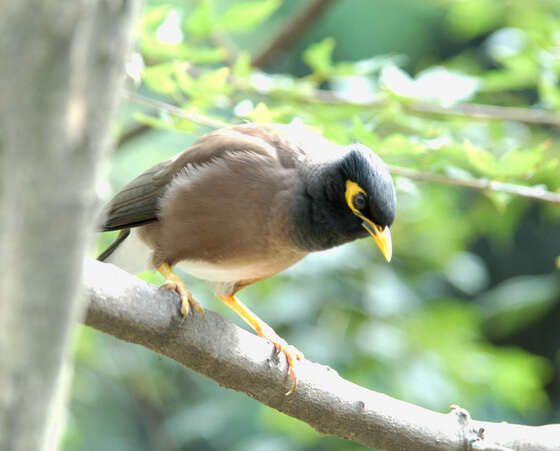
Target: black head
(346, 199)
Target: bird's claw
(187, 299)
(291, 352)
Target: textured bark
(132, 310)
(62, 64)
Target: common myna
(248, 201)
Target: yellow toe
(175, 283)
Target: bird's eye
(359, 201)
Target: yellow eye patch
(352, 189)
(381, 235)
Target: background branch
(197, 118)
(493, 112)
(529, 192)
(132, 310)
(468, 110)
(292, 31)
(134, 132)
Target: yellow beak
(381, 236)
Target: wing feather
(138, 202)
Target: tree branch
(292, 30)
(283, 39)
(130, 134)
(132, 310)
(197, 118)
(529, 192)
(468, 110)
(493, 112)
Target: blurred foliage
(466, 313)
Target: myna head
(346, 199)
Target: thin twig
(479, 111)
(197, 118)
(468, 110)
(293, 29)
(132, 133)
(529, 192)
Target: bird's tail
(114, 245)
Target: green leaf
(242, 66)
(201, 21)
(521, 73)
(500, 200)
(214, 81)
(481, 159)
(203, 91)
(549, 90)
(319, 57)
(184, 81)
(160, 79)
(363, 134)
(245, 16)
(153, 17)
(262, 113)
(156, 51)
(521, 163)
(474, 17)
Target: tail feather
(114, 245)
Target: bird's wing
(138, 202)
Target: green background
(467, 311)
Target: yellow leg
(264, 330)
(174, 282)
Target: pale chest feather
(225, 278)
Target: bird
(245, 202)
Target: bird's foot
(187, 299)
(264, 330)
(175, 283)
(291, 352)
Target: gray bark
(132, 310)
(62, 64)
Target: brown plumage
(246, 202)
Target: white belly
(223, 278)
(220, 273)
